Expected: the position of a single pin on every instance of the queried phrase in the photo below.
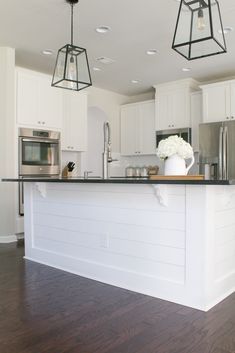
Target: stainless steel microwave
(39, 152)
(185, 133)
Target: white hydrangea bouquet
(174, 145)
(174, 150)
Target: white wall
(105, 105)
(7, 144)
(109, 102)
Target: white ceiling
(137, 25)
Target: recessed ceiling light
(103, 29)
(135, 81)
(104, 60)
(96, 69)
(226, 30)
(186, 69)
(151, 52)
(47, 52)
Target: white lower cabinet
(74, 127)
(138, 129)
(38, 104)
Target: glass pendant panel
(72, 69)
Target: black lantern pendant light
(199, 30)
(72, 68)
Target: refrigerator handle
(221, 133)
(225, 153)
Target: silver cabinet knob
(39, 122)
(232, 117)
(227, 118)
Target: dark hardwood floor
(43, 310)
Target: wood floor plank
(44, 310)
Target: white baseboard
(20, 236)
(8, 239)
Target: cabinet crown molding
(137, 103)
(189, 83)
(218, 83)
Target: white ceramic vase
(175, 165)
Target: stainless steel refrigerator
(217, 150)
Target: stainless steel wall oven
(39, 152)
(39, 155)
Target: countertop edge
(119, 181)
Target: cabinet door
(74, 127)
(27, 110)
(146, 128)
(129, 121)
(232, 90)
(196, 118)
(66, 122)
(78, 121)
(51, 105)
(163, 103)
(179, 109)
(216, 103)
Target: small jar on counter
(144, 172)
(137, 172)
(130, 172)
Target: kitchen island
(174, 240)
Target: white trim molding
(7, 239)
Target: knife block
(66, 173)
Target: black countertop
(118, 180)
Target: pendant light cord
(72, 5)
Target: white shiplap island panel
(122, 235)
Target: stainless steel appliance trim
(39, 170)
(225, 153)
(21, 199)
(39, 140)
(221, 133)
(173, 131)
(25, 132)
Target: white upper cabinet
(218, 101)
(129, 129)
(38, 104)
(171, 110)
(138, 129)
(232, 92)
(74, 129)
(196, 118)
(147, 135)
(51, 103)
(173, 104)
(27, 99)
